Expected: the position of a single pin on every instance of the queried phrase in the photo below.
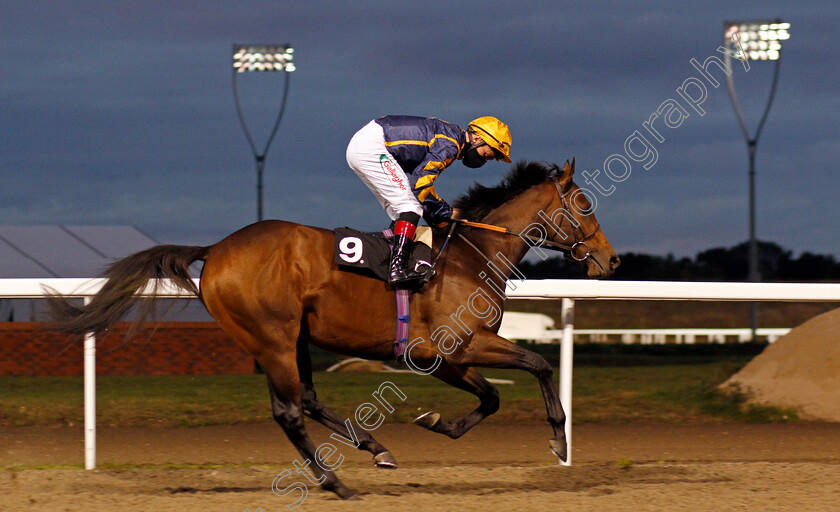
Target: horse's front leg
(489, 350)
(470, 380)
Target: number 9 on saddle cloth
(368, 253)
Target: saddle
(369, 253)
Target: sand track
(495, 467)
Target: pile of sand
(800, 370)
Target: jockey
(386, 151)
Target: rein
(544, 244)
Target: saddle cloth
(369, 253)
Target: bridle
(586, 237)
(565, 248)
(538, 242)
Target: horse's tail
(119, 294)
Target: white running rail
(570, 289)
(679, 336)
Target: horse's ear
(569, 169)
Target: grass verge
(664, 393)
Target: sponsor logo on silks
(391, 170)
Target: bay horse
(274, 288)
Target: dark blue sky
(123, 113)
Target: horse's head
(570, 220)
(541, 203)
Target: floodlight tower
(254, 58)
(757, 41)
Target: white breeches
(370, 160)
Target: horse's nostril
(615, 261)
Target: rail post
(90, 398)
(566, 350)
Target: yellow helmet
(495, 133)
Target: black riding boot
(399, 271)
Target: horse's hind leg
(470, 380)
(272, 343)
(284, 385)
(316, 410)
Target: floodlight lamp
(262, 58)
(760, 40)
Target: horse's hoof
(346, 493)
(558, 448)
(385, 460)
(428, 420)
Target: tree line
(775, 263)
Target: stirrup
(401, 273)
(405, 276)
(398, 268)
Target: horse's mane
(479, 200)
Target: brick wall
(174, 348)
